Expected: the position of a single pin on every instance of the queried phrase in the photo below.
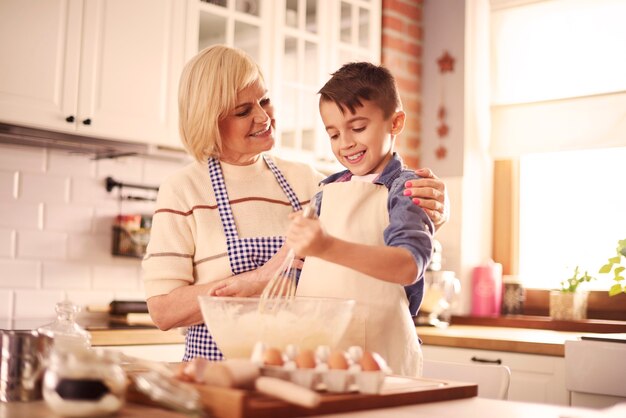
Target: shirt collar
(390, 172)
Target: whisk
(282, 285)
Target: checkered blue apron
(244, 254)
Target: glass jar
(65, 332)
(84, 383)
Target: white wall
(55, 229)
(459, 27)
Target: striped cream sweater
(187, 241)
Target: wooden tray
(396, 391)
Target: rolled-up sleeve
(410, 228)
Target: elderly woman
(222, 219)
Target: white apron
(356, 211)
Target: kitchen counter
(135, 336)
(470, 408)
(515, 340)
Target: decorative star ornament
(442, 130)
(446, 63)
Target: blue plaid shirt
(409, 226)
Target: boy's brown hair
(357, 81)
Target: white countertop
(485, 408)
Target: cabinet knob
(69, 119)
(87, 121)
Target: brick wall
(402, 53)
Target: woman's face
(248, 129)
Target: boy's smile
(361, 141)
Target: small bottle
(487, 289)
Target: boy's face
(361, 141)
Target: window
(572, 213)
(558, 107)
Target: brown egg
(337, 360)
(272, 357)
(305, 359)
(370, 362)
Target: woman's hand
(253, 282)
(237, 287)
(429, 192)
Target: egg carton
(323, 369)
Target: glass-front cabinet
(298, 44)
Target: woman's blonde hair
(207, 92)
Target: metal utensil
(282, 286)
(22, 362)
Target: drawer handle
(485, 360)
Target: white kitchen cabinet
(534, 378)
(298, 44)
(101, 68)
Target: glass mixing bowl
(307, 322)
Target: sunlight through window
(572, 213)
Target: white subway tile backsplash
(37, 303)
(83, 298)
(7, 243)
(63, 162)
(20, 274)
(19, 215)
(104, 217)
(6, 304)
(91, 191)
(43, 188)
(130, 295)
(13, 157)
(125, 169)
(62, 275)
(157, 171)
(69, 218)
(7, 185)
(89, 247)
(55, 229)
(42, 245)
(116, 277)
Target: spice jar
(83, 383)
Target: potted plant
(570, 302)
(615, 264)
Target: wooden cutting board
(396, 391)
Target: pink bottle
(487, 289)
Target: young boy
(369, 242)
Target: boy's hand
(430, 194)
(306, 236)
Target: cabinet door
(40, 52)
(534, 378)
(314, 38)
(131, 58)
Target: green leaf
(618, 278)
(619, 269)
(614, 260)
(616, 289)
(606, 268)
